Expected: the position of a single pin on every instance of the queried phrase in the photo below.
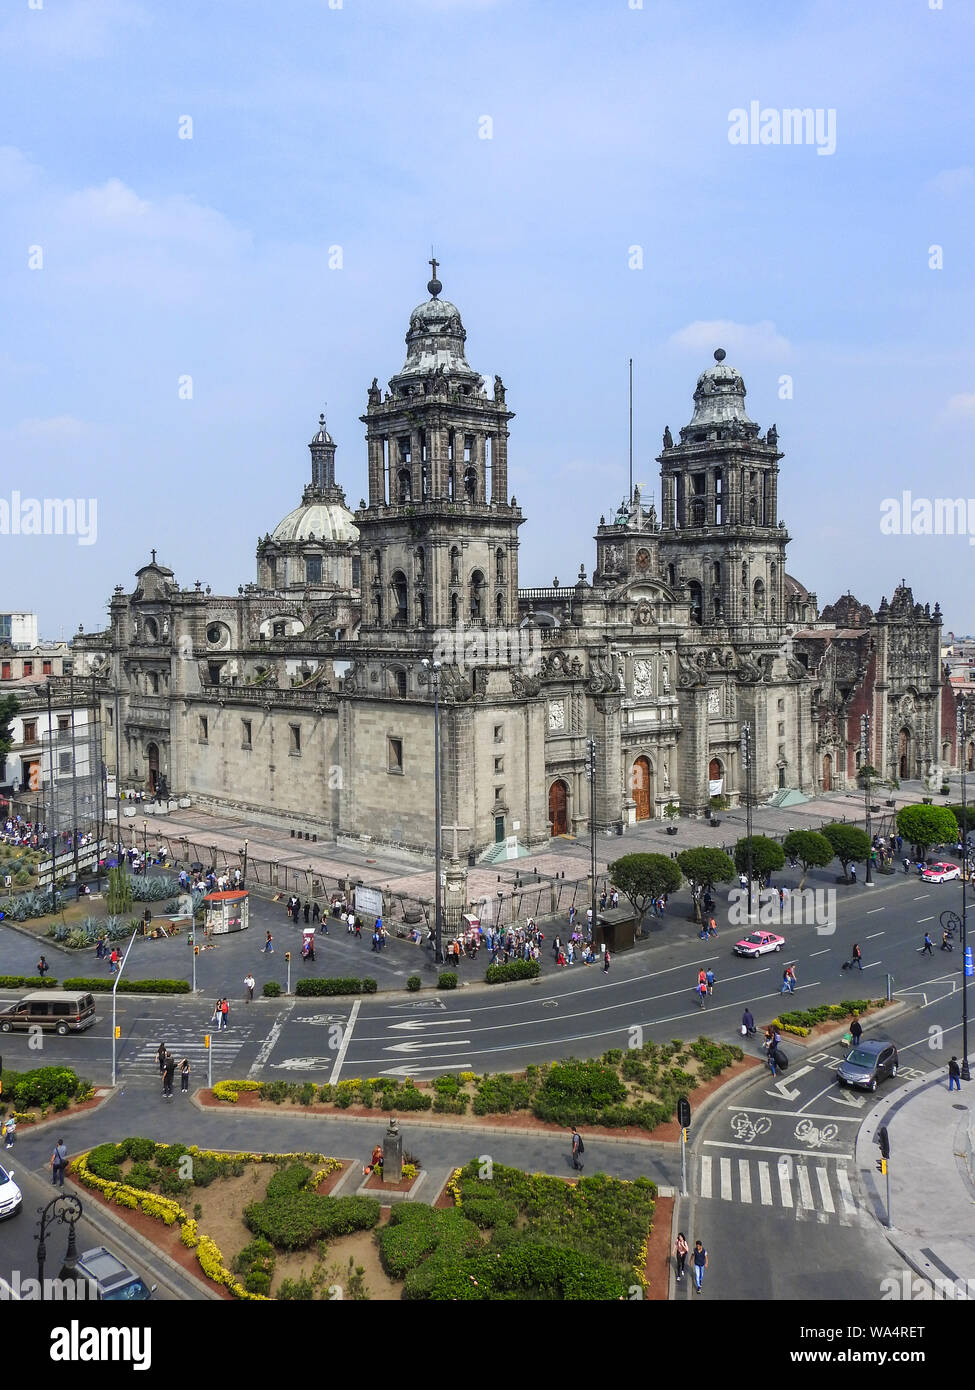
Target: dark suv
(872, 1060)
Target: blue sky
(358, 127)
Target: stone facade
(306, 701)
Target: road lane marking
(269, 1043)
(805, 1191)
(725, 1166)
(846, 1195)
(346, 1039)
(790, 1114)
(744, 1180)
(425, 1045)
(875, 934)
(764, 1183)
(920, 896)
(872, 910)
(769, 1148)
(824, 1189)
(924, 919)
(825, 952)
(705, 1176)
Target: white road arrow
(857, 1102)
(421, 1045)
(780, 1088)
(415, 1071)
(412, 1024)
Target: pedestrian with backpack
(709, 981)
(699, 1259)
(578, 1149)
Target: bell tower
(439, 536)
(720, 531)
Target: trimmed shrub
(514, 970)
(574, 1092)
(271, 989)
(291, 1217)
(99, 985)
(413, 983)
(336, 985)
(25, 982)
(446, 980)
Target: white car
(11, 1197)
(940, 873)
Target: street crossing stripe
(805, 1191)
(764, 1184)
(846, 1195)
(824, 1191)
(725, 1179)
(785, 1186)
(744, 1180)
(706, 1175)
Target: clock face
(643, 559)
(556, 715)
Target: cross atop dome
(434, 286)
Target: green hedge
(99, 985)
(291, 1217)
(55, 1086)
(575, 1092)
(336, 985)
(271, 989)
(413, 983)
(27, 982)
(446, 980)
(514, 970)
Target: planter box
(715, 822)
(890, 802)
(671, 829)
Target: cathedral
(303, 701)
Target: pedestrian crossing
(139, 1057)
(810, 1191)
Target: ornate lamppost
(65, 1209)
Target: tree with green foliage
(812, 850)
(766, 857)
(850, 844)
(703, 868)
(643, 877)
(925, 826)
(965, 819)
(119, 899)
(9, 705)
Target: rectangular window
(204, 728)
(28, 668)
(499, 764)
(245, 733)
(30, 730)
(109, 716)
(64, 762)
(499, 733)
(499, 793)
(781, 706)
(313, 569)
(46, 668)
(394, 755)
(5, 671)
(295, 739)
(278, 629)
(781, 729)
(400, 682)
(64, 721)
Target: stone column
(499, 472)
(693, 775)
(477, 458)
(437, 449)
(377, 489)
(416, 466)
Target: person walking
(748, 1029)
(161, 1059)
(855, 958)
(709, 980)
(702, 992)
(927, 945)
(680, 1254)
(307, 911)
(184, 1076)
(168, 1075)
(770, 1046)
(9, 1132)
(224, 1012)
(578, 1149)
(954, 1075)
(113, 961)
(268, 944)
(59, 1161)
(42, 967)
(249, 983)
(700, 1261)
(856, 1031)
(788, 980)
(945, 942)
(606, 961)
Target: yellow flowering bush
(453, 1186)
(467, 1077)
(230, 1090)
(331, 1166)
(189, 1233)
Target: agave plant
(152, 889)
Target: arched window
(470, 483)
(476, 585)
(405, 485)
(421, 563)
(153, 683)
(454, 565)
(453, 608)
(697, 604)
(499, 608)
(398, 586)
(716, 572)
(672, 576)
(759, 596)
(499, 564)
(697, 513)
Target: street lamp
(865, 763)
(432, 669)
(591, 774)
(145, 847)
(965, 966)
(65, 1208)
(746, 758)
(500, 905)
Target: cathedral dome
(719, 397)
(436, 337)
(325, 521)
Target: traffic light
(684, 1112)
(196, 950)
(287, 955)
(882, 1166)
(883, 1139)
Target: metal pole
(193, 944)
(53, 828)
(746, 754)
(118, 976)
(288, 987)
(118, 779)
(683, 1163)
(965, 1071)
(887, 1166)
(890, 981)
(630, 497)
(438, 818)
(591, 770)
(210, 1055)
(74, 777)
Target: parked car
(114, 1280)
(940, 873)
(871, 1061)
(758, 943)
(11, 1197)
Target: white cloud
(961, 407)
(758, 341)
(949, 183)
(55, 427)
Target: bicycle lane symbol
(743, 1127)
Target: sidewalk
(932, 1193)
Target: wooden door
(640, 788)
(558, 794)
